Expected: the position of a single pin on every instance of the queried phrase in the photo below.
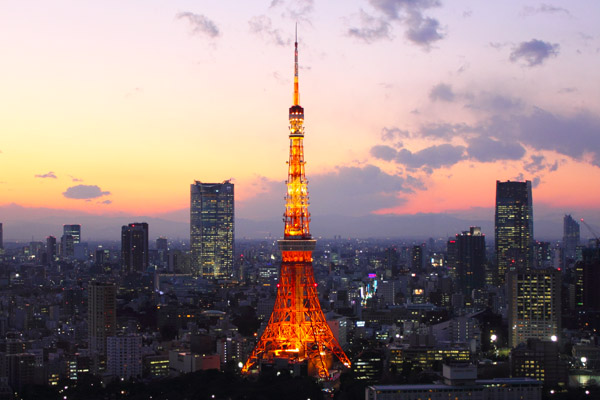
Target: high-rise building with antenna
(297, 330)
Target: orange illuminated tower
(297, 330)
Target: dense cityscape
(75, 314)
(304, 316)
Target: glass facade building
(71, 236)
(134, 247)
(513, 227)
(212, 229)
(471, 260)
(570, 238)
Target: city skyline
(383, 135)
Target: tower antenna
(296, 92)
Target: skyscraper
(452, 257)
(416, 256)
(534, 305)
(101, 256)
(134, 247)
(162, 244)
(1, 238)
(587, 280)
(212, 229)
(513, 227)
(102, 315)
(543, 254)
(470, 260)
(297, 331)
(570, 237)
(50, 249)
(71, 236)
(162, 250)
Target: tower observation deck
(297, 330)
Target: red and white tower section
(297, 329)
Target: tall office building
(134, 247)
(470, 260)
(101, 256)
(1, 238)
(162, 250)
(587, 280)
(452, 257)
(50, 249)
(513, 227)
(212, 229)
(416, 256)
(534, 305)
(102, 315)
(570, 237)
(71, 236)
(162, 244)
(543, 255)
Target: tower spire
(296, 92)
(296, 215)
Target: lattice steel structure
(297, 330)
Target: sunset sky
(411, 106)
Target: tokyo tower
(297, 330)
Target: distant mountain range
(26, 224)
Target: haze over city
(413, 111)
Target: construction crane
(594, 234)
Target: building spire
(296, 92)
